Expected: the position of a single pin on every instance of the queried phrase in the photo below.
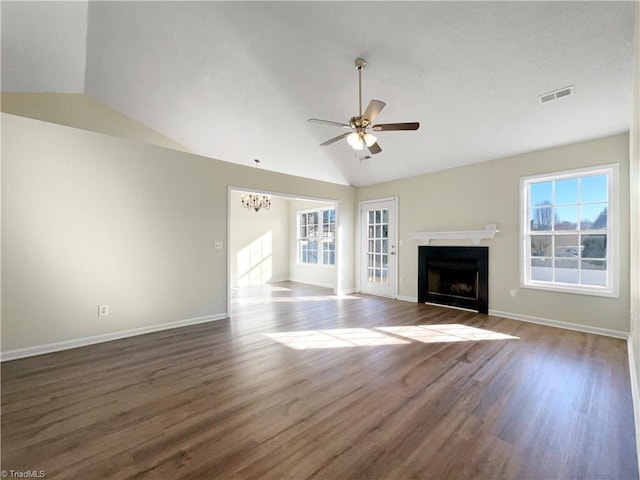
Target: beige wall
(469, 197)
(90, 219)
(321, 275)
(81, 111)
(258, 242)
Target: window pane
(566, 246)
(385, 231)
(371, 246)
(371, 217)
(541, 270)
(541, 246)
(541, 219)
(566, 271)
(540, 194)
(385, 216)
(594, 189)
(378, 216)
(593, 217)
(566, 191)
(566, 218)
(385, 261)
(378, 232)
(371, 232)
(378, 246)
(385, 246)
(594, 272)
(594, 246)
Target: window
(569, 227)
(316, 237)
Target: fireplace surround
(454, 276)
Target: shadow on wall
(254, 262)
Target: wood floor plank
(300, 383)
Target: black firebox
(454, 276)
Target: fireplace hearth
(454, 276)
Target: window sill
(594, 292)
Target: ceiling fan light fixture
(369, 139)
(355, 141)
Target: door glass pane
(378, 243)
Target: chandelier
(255, 202)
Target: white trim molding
(635, 393)
(558, 324)
(106, 337)
(404, 298)
(476, 236)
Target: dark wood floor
(462, 396)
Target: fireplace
(454, 276)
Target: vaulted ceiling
(237, 81)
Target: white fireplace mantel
(476, 236)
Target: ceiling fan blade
(384, 127)
(375, 148)
(372, 111)
(335, 139)
(329, 122)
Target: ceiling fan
(359, 126)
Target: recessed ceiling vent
(555, 95)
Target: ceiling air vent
(560, 93)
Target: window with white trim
(316, 237)
(569, 231)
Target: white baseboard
(315, 284)
(635, 393)
(106, 337)
(348, 291)
(278, 280)
(407, 299)
(555, 323)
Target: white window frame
(321, 238)
(612, 287)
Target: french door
(378, 257)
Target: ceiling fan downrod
(360, 64)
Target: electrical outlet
(217, 245)
(513, 293)
(103, 310)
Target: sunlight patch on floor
(445, 333)
(334, 338)
(399, 335)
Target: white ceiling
(238, 80)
